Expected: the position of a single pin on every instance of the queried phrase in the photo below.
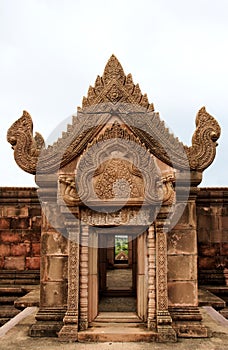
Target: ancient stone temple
(118, 194)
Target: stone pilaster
(70, 329)
(164, 320)
(182, 252)
(84, 271)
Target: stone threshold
(117, 327)
(116, 317)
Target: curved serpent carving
(202, 152)
(26, 147)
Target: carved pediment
(115, 94)
(116, 168)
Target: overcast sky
(52, 50)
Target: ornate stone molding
(26, 147)
(164, 320)
(162, 297)
(70, 329)
(128, 216)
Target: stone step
(7, 299)
(19, 282)
(8, 311)
(114, 333)
(207, 298)
(224, 312)
(30, 299)
(118, 317)
(220, 291)
(9, 290)
(116, 324)
(3, 321)
(18, 278)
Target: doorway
(109, 279)
(117, 273)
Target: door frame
(139, 272)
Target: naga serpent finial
(26, 147)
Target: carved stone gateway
(117, 172)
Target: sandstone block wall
(20, 229)
(182, 260)
(212, 227)
(54, 271)
(20, 232)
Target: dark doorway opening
(117, 273)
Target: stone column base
(49, 321)
(164, 328)
(166, 334)
(68, 333)
(45, 329)
(187, 322)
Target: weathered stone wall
(182, 260)
(212, 227)
(20, 229)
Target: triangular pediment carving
(114, 94)
(116, 168)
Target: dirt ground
(17, 339)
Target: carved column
(70, 328)
(84, 272)
(151, 319)
(164, 320)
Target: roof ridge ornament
(114, 86)
(113, 70)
